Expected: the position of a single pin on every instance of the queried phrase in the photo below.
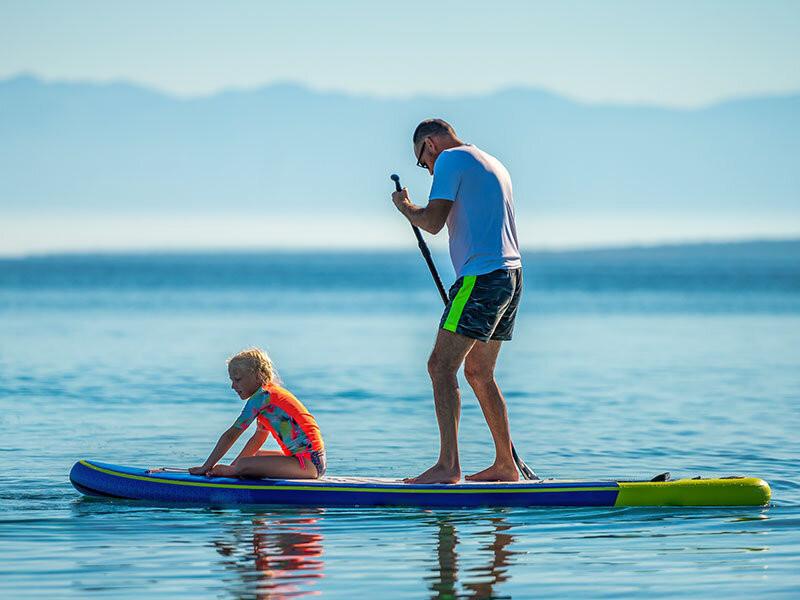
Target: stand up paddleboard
(102, 479)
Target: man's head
(431, 137)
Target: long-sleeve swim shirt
(280, 413)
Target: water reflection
(495, 558)
(280, 554)
(275, 555)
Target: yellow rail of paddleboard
(743, 491)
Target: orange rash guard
(280, 413)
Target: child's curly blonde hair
(255, 360)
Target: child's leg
(276, 467)
(269, 453)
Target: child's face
(244, 381)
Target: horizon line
(389, 249)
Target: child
(278, 412)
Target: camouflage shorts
(483, 307)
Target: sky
(682, 53)
(679, 53)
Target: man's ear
(432, 145)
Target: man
(471, 193)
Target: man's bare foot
(436, 474)
(496, 473)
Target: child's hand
(198, 470)
(223, 471)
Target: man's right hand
(198, 470)
(401, 199)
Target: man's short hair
(432, 127)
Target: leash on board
(527, 472)
(166, 470)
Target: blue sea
(624, 363)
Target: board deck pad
(103, 479)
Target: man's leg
(446, 358)
(479, 371)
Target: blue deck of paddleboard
(103, 479)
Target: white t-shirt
(483, 235)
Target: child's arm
(226, 440)
(253, 445)
(251, 409)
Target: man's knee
(478, 375)
(439, 368)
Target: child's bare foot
(223, 471)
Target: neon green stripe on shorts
(459, 302)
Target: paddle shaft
(426, 253)
(526, 471)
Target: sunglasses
(420, 163)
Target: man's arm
(430, 218)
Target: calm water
(624, 363)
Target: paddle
(423, 247)
(526, 471)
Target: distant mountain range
(285, 150)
